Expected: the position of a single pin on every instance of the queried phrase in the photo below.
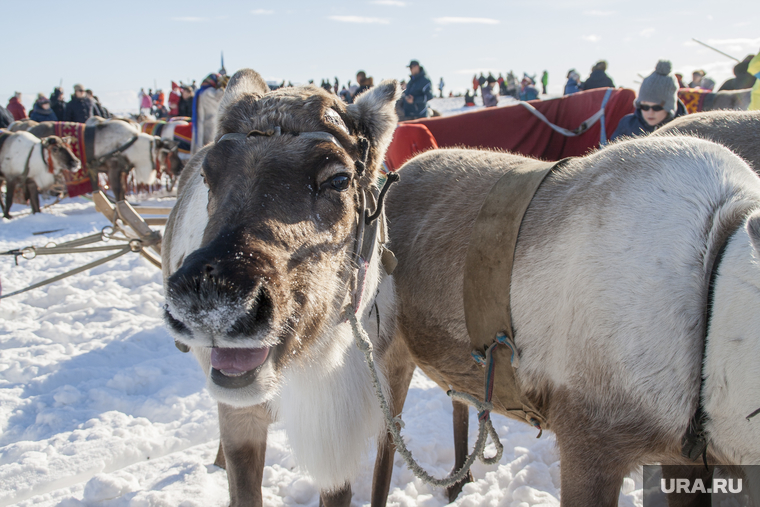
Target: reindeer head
(286, 179)
(167, 155)
(141, 156)
(60, 156)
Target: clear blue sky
(116, 48)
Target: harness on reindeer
(486, 290)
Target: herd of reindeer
(634, 286)
(37, 157)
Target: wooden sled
(128, 221)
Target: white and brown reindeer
(119, 147)
(33, 163)
(263, 255)
(634, 296)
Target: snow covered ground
(449, 106)
(98, 407)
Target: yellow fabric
(754, 69)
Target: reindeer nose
(212, 269)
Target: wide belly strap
(487, 281)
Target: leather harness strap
(487, 280)
(694, 441)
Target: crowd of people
(417, 91)
(657, 102)
(82, 105)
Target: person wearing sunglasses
(656, 105)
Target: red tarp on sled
(515, 129)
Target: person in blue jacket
(573, 82)
(418, 91)
(42, 110)
(656, 105)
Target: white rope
(565, 132)
(395, 423)
(584, 126)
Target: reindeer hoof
(453, 491)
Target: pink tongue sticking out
(237, 361)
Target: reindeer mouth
(235, 368)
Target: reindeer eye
(340, 182)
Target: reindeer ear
(50, 140)
(374, 112)
(243, 82)
(753, 229)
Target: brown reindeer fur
(257, 225)
(431, 213)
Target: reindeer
(268, 247)
(119, 147)
(33, 163)
(629, 263)
(738, 131)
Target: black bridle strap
(117, 151)
(391, 178)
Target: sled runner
(128, 232)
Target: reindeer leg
(244, 440)
(461, 430)
(399, 375)
(114, 179)
(10, 189)
(337, 498)
(33, 194)
(592, 471)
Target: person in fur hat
(656, 105)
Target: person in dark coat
(185, 106)
(364, 82)
(80, 107)
(656, 105)
(42, 111)
(16, 108)
(6, 118)
(97, 108)
(598, 77)
(57, 104)
(490, 99)
(743, 79)
(418, 91)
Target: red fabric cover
(517, 130)
(77, 183)
(693, 99)
(408, 141)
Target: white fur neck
(732, 358)
(329, 407)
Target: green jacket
(754, 69)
